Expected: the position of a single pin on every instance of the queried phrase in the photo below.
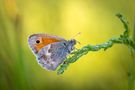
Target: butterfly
(50, 50)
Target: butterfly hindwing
(52, 55)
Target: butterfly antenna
(75, 36)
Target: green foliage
(122, 39)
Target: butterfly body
(50, 50)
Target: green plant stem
(84, 50)
(122, 39)
(131, 73)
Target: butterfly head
(71, 44)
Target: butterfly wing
(38, 41)
(52, 55)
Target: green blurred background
(96, 21)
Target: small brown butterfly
(50, 50)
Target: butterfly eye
(37, 41)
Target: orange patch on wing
(44, 42)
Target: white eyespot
(47, 51)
